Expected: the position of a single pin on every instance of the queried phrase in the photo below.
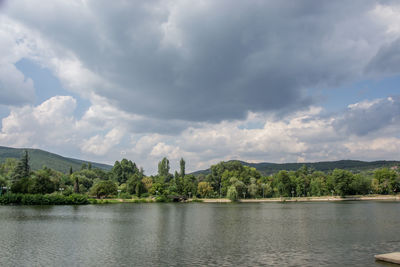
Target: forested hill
(40, 158)
(325, 166)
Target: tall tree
(182, 164)
(163, 167)
(76, 184)
(23, 169)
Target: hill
(40, 158)
(352, 165)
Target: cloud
(15, 89)
(198, 80)
(100, 145)
(50, 123)
(369, 116)
(367, 130)
(204, 62)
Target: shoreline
(306, 199)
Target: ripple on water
(254, 234)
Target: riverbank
(308, 199)
(76, 199)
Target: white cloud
(14, 88)
(105, 134)
(100, 145)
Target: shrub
(232, 193)
(125, 196)
(161, 199)
(145, 195)
(38, 199)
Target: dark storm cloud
(387, 60)
(362, 120)
(210, 60)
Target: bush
(161, 199)
(125, 196)
(145, 195)
(38, 199)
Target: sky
(260, 81)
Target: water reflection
(196, 234)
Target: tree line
(226, 180)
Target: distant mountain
(325, 166)
(40, 158)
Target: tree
(76, 184)
(147, 183)
(232, 193)
(122, 171)
(163, 167)
(342, 180)
(135, 185)
(360, 185)
(387, 181)
(284, 183)
(253, 188)
(189, 185)
(42, 183)
(239, 185)
(8, 167)
(84, 166)
(104, 189)
(204, 189)
(23, 169)
(3, 181)
(182, 164)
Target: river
(200, 234)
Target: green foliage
(182, 165)
(42, 183)
(204, 189)
(228, 179)
(162, 199)
(104, 189)
(135, 185)
(3, 181)
(22, 170)
(361, 185)
(386, 181)
(22, 186)
(342, 182)
(253, 188)
(122, 171)
(125, 196)
(39, 199)
(76, 183)
(163, 171)
(285, 186)
(232, 193)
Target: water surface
(197, 234)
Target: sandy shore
(308, 199)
